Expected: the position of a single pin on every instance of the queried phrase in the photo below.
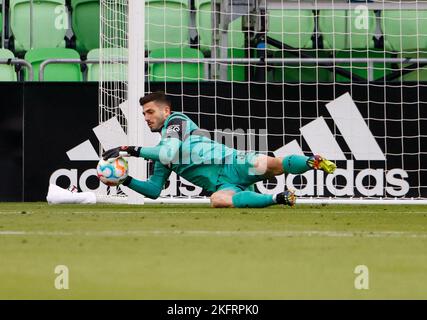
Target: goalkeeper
(228, 173)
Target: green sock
(295, 164)
(250, 199)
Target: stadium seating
(112, 72)
(345, 34)
(7, 72)
(166, 23)
(50, 24)
(176, 71)
(237, 72)
(85, 22)
(55, 72)
(303, 72)
(350, 34)
(236, 38)
(1, 17)
(345, 29)
(115, 28)
(405, 32)
(204, 24)
(294, 28)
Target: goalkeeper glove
(123, 151)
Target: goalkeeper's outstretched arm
(165, 152)
(153, 186)
(150, 188)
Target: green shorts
(239, 175)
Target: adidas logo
(362, 145)
(318, 137)
(353, 128)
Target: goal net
(344, 79)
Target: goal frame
(137, 128)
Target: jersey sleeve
(167, 150)
(176, 128)
(153, 186)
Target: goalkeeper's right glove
(123, 151)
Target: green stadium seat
(347, 29)
(303, 73)
(236, 38)
(115, 26)
(112, 72)
(166, 23)
(176, 72)
(7, 72)
(50, 24)
(404, 30)
(237, 72)
(292, 27)
(55, 72)
(405, 33)
(204, 24)
(415, 75)
(378, 69)
(85, 22)
(350, 34)
(1, 17)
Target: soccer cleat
(318, 163)
(287, 198)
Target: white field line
(223, 233)
(208, 210)
(137, 212)
(103, 212)
(14, 212)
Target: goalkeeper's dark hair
(158, 97)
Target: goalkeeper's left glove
(123, 151)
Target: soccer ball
(112, 173)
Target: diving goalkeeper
(228, 173)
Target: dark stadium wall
(11, 141)
(41, 122)
(57, 117)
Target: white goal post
(345, 79)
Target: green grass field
(196, 252)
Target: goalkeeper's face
(155, 115)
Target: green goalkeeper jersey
(188, 151)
